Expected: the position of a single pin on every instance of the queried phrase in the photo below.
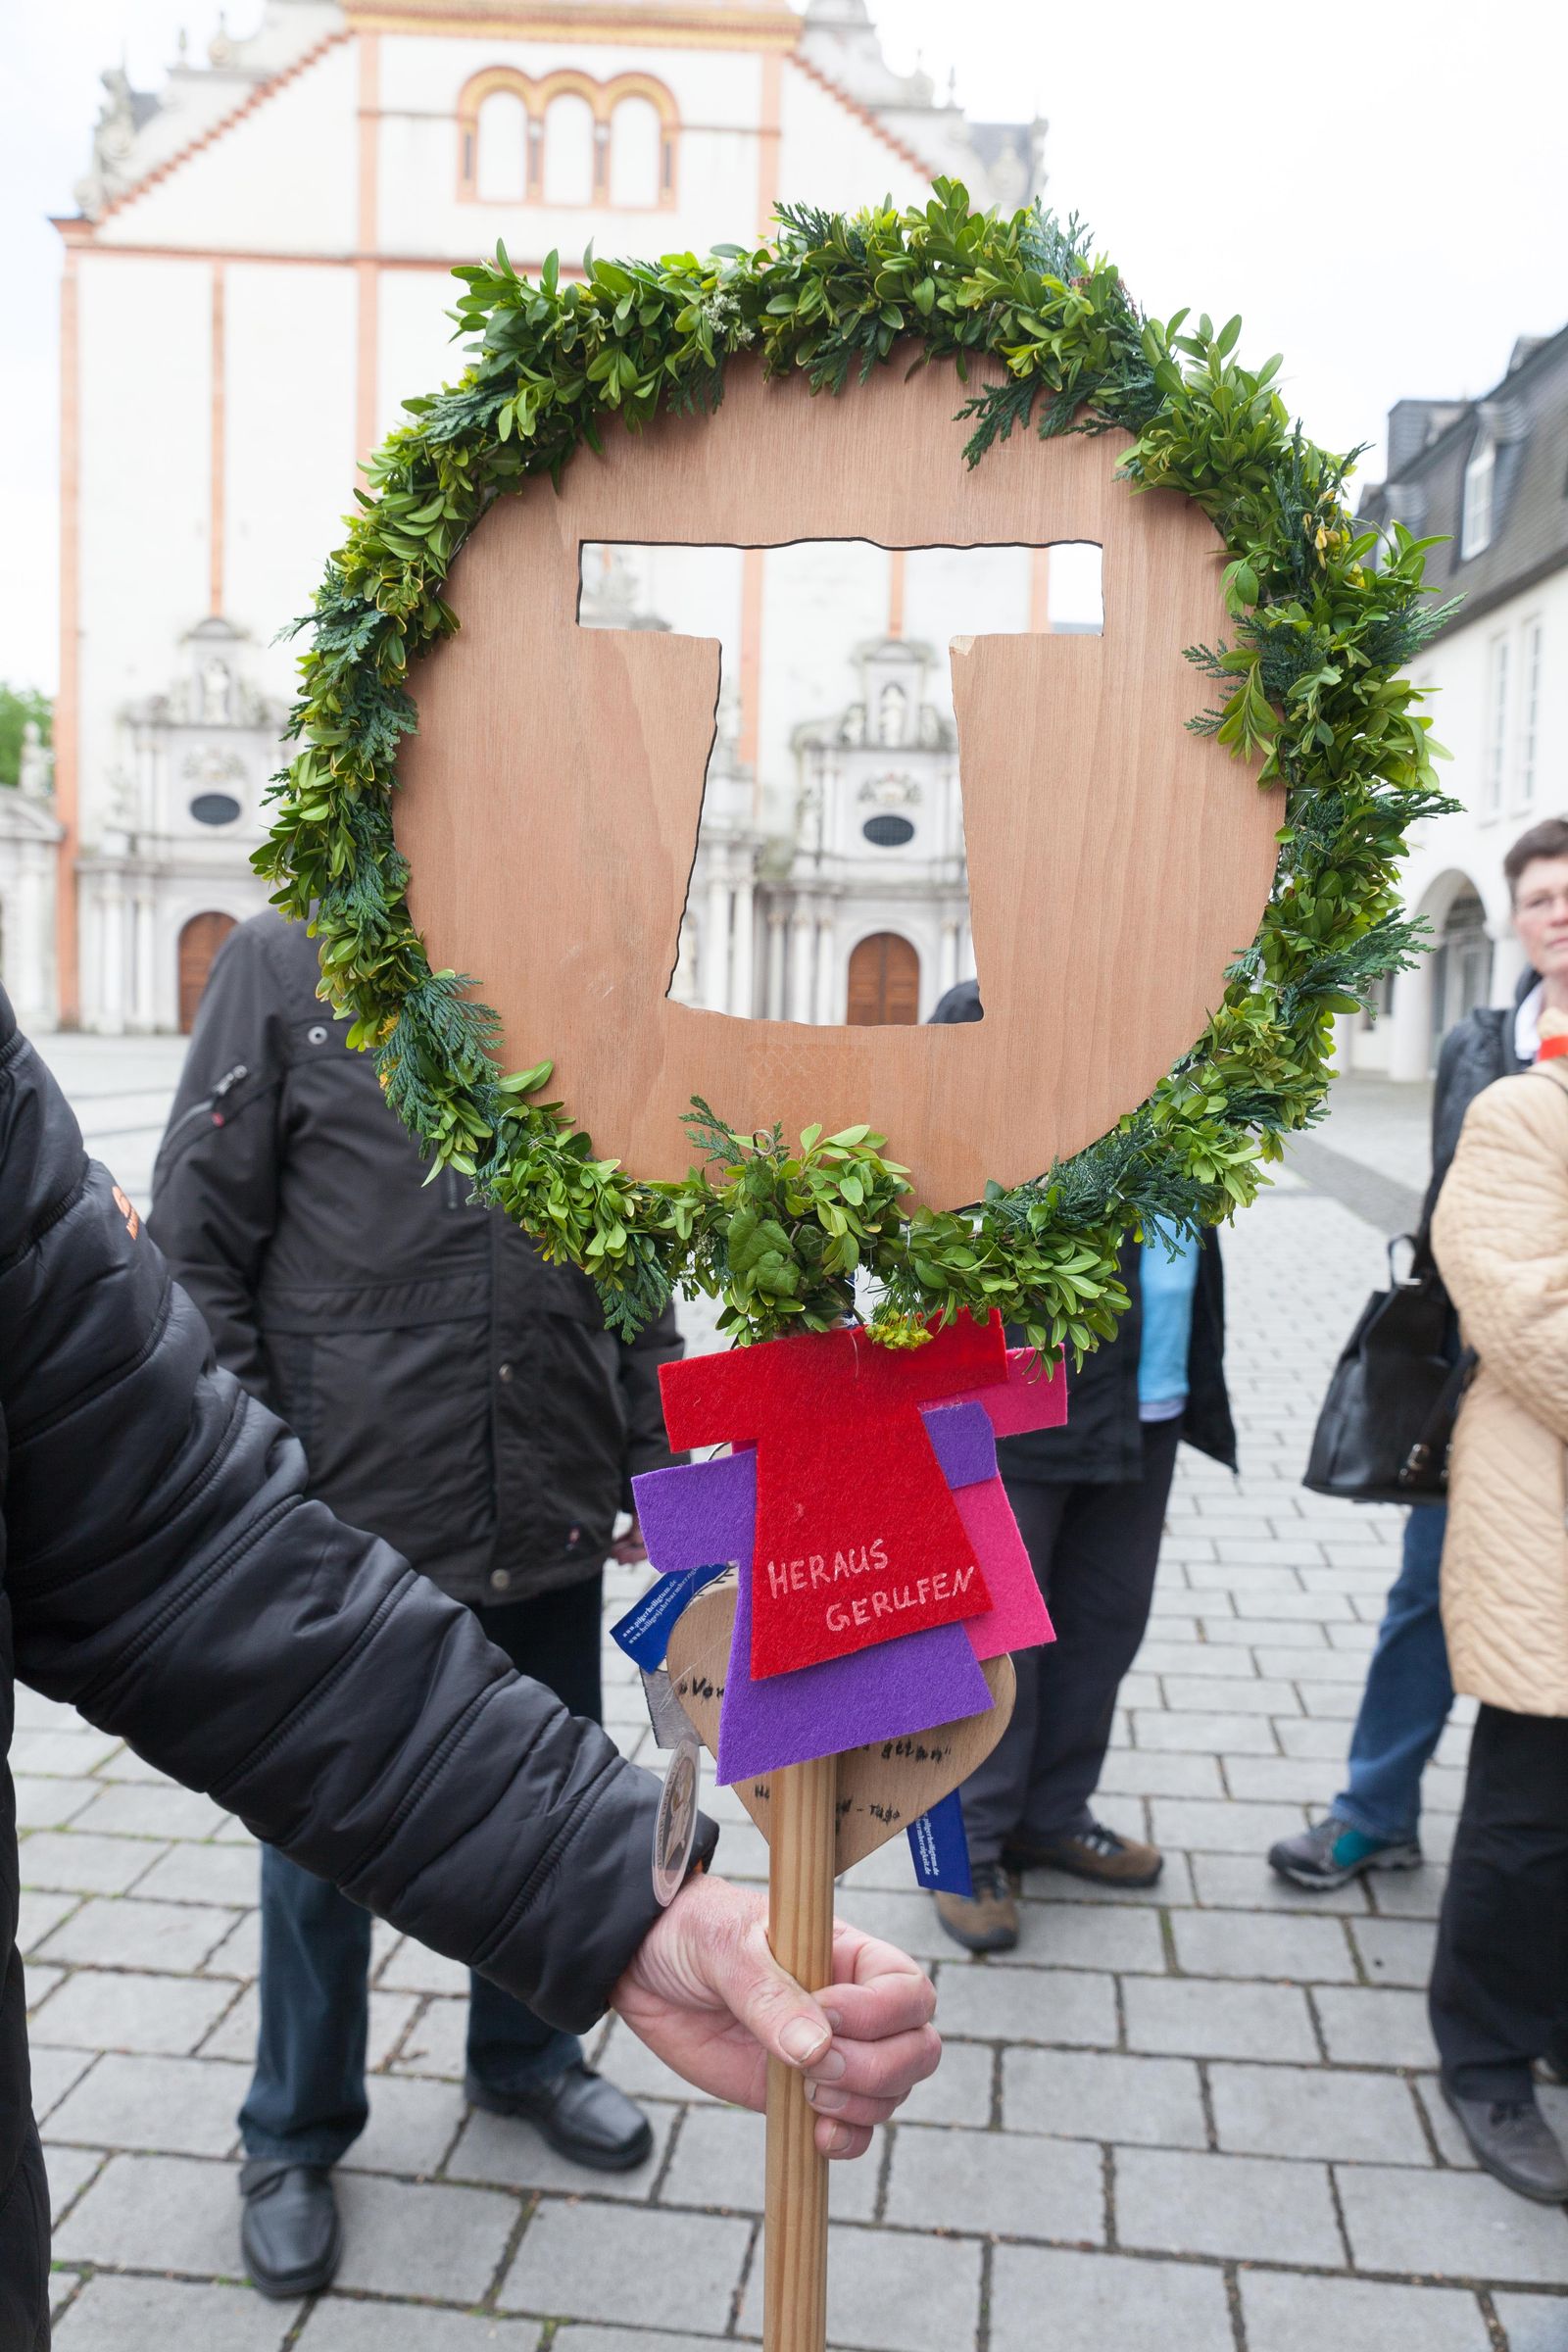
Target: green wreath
(777, 1230)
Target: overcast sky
(1376, 185)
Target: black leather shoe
(289, 2230)
(1514, 2142)
(580, 2114)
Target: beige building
(258, 276)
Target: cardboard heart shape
(882, 1788)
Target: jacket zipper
(210, 1102)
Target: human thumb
(788, 2023)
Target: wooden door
(199, 943)
(884, 982)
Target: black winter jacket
(1475, 1052)
(1102, 1443)
(161, 1570)
(451, 1390)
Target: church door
(199, 943)
(884, 982)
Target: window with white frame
(571, 144)
(1496, 723)
(636, 154)
(1530, 661)
(1480, 474)
(501, 165)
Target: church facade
(259, 276)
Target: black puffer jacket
(161, 1571)
(1102, 1443)
(450, 1388)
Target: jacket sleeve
(1500, 1234)
(166, 1576)
(647, 1446)
(215, 1179)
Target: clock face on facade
(550, 800)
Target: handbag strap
(1433, 1441)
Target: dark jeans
(1094, 1551)
(1407, 1696)
(306, 2101)
(1499, 1981)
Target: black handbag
(1384, 1431)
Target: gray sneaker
(1330, 1852)
(1513, 2140)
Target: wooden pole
(799, 1928)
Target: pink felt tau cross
(859, 1538)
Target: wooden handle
(799, 1928)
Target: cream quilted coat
(1501, 1235)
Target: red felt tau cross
(859, 1538)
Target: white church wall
(830, 155)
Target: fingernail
(804, 2039)
(825, 2101)
(829, 2067)
(838, 2141)
(834, 2019)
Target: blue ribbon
(644, 1632)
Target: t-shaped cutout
(551, 799)
(828, 881)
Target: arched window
(569, 149)
(636, 154)
(501, 137)
(1480, 474)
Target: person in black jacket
(1090, 1502)
(1375, 1821)
(463, 1401)
(163, 1571)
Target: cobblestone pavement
(1199, 2119)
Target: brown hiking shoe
(1096, 1853)
(985, 1920)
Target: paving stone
(430, 2241)
(620, 2339)
(1259, 1944)
(909, 1920)
(413, 1969)
(632, 2065)
(41, 1982)
(69, 2171)
(1086, 1935)
(38, 1915)
(1209, 1695)
(1316, 2111)
(43, 1804)
(53, 2074)
(1245, 1882)
(1532, 2323)
(617, 2262)
(1311, 1781)
(498, 2151)
(203, 1873)
(102, 2009)
(157, 2213)
(1204, 1734)
(72, 1859)
(162, 2315)
(171, 2106)
(1083, 2094)
(1189, 2017)
(1025, 2004)
(921, 2294)
(997, 2185)
(1231, 1633)
(1375, 2029)
(1450, 2224)
(412, 2125)
(124, 1931)
(1225, 1828)
(1396, 1951)
(239, 1953)
(1251, 2208)
(719, 2162)
(1306, 1667)
(961, 2091)
(337, 2324)
(133, 1809)
(435, 2043)
(1285, 2314)
(1309, 1737)
(1132, 1772)
(1407, 1893)
(1339, 1702)
(71, 1754)
(1104, 2303)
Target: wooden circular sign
(550, 801)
